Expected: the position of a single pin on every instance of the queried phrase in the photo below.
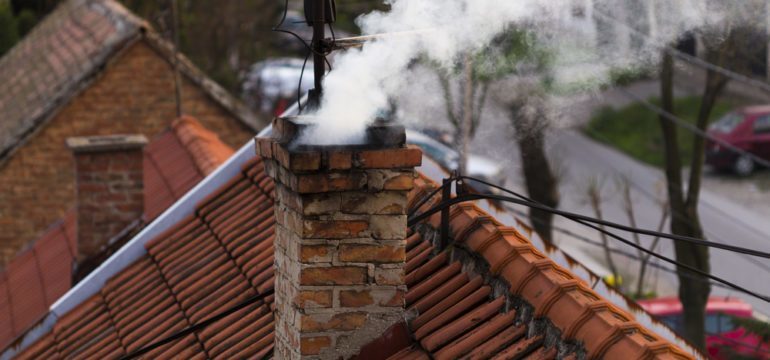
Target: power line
(699, 62)
(692, 128)
(687, 239)
(678, 214)
(583, 220)
(686, 57)
(623, 253)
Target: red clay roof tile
(174, 162)
(224, 253)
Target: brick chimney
(340, 239)
(109, 188)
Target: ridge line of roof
(63, 96)
(110, 52)
(210, 87)
(204, 146)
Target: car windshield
(719, 323)
(727, 123)
(434, 149)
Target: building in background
(89, 68)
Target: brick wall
(135, 94)
(339, 248)
(109, 188)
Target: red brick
(304, 161)
(355, 298)
(264, 147)
(336, 275)
(400, 182)
(340, 160)
(372, 253)
(341, 322)
(314, 299)
(314, 345)
(318, 183)
(314, 253)
(334, 229)
(410, 156)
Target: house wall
(133, 95)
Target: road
(579, 160)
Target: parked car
(271, 86)
(724, 339)
(747, 129)
(478, 166)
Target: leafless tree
(644, 258)
(594, 193)
(723, 49)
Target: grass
(635, 130)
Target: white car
(271, 86)
(478, 166)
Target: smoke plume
(363, 80)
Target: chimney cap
(85, 144)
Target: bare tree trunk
(693, 289)
(540, 180)
(644, 258)
(595, 199)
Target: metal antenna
(177, 76)
(318, 19)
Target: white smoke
(365, 79)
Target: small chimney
(340, 239)
(109, 188)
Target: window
(727, 123)
(762, 124)
(719, 323)
(674, 322)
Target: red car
(747, 129)
(724, 339)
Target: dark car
(747, 129)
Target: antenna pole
(319, 65)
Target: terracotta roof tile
(55, 57)
(25, 285)
(43, 273)
(207, 150)
(477, 306)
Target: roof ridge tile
(205, 147)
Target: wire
(679, 215)
(192, 328)
(692, 128)
(579, 219)
(299, 86)
(309, 47)
(630, 229)
(686, 57)
(428, 197)
(616, 251)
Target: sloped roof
(174, 162)
(490, 294)
(65, 51)
(222, 254)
